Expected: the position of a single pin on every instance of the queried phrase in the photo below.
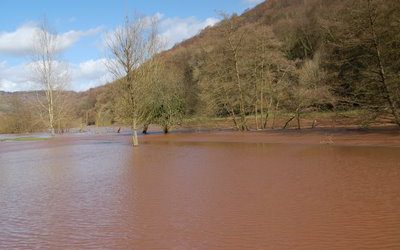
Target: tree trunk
(51, 111)
(230, 110)
(262, 92)
(256, 102)
(51, 121)
(262, 106)
(287, 123)
(267, 114)
(243, 125)
(298, 119)
(314, 124)
(266, 119)
(235, 122)
(166, 129)
(233, 115)
(256, 114)
(145, 129)
(274, 117)
(135, 141)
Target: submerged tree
(130, 46)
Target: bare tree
(130, 46)
(51, 74)
(268, 69)
(222, 80)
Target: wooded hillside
(283, 58)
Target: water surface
(99, 193)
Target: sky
(81, 26)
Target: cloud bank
(87, 73)
(252, 2)
(84, 75)
(21, 41)
(175, 30)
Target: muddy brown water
(202, 191)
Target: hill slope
(281, 58)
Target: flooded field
(202, 191)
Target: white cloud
(89, 74)
(15, 78)
(85, 75)
(67, 39)
(252, 2)
(176, 29)
(18, 42)
(21, 41)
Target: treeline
(22, 112)
(279, 61)
(296, 57)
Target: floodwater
(205, 191)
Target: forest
(283, 64)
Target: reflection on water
(192, 195)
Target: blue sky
(82, 24)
